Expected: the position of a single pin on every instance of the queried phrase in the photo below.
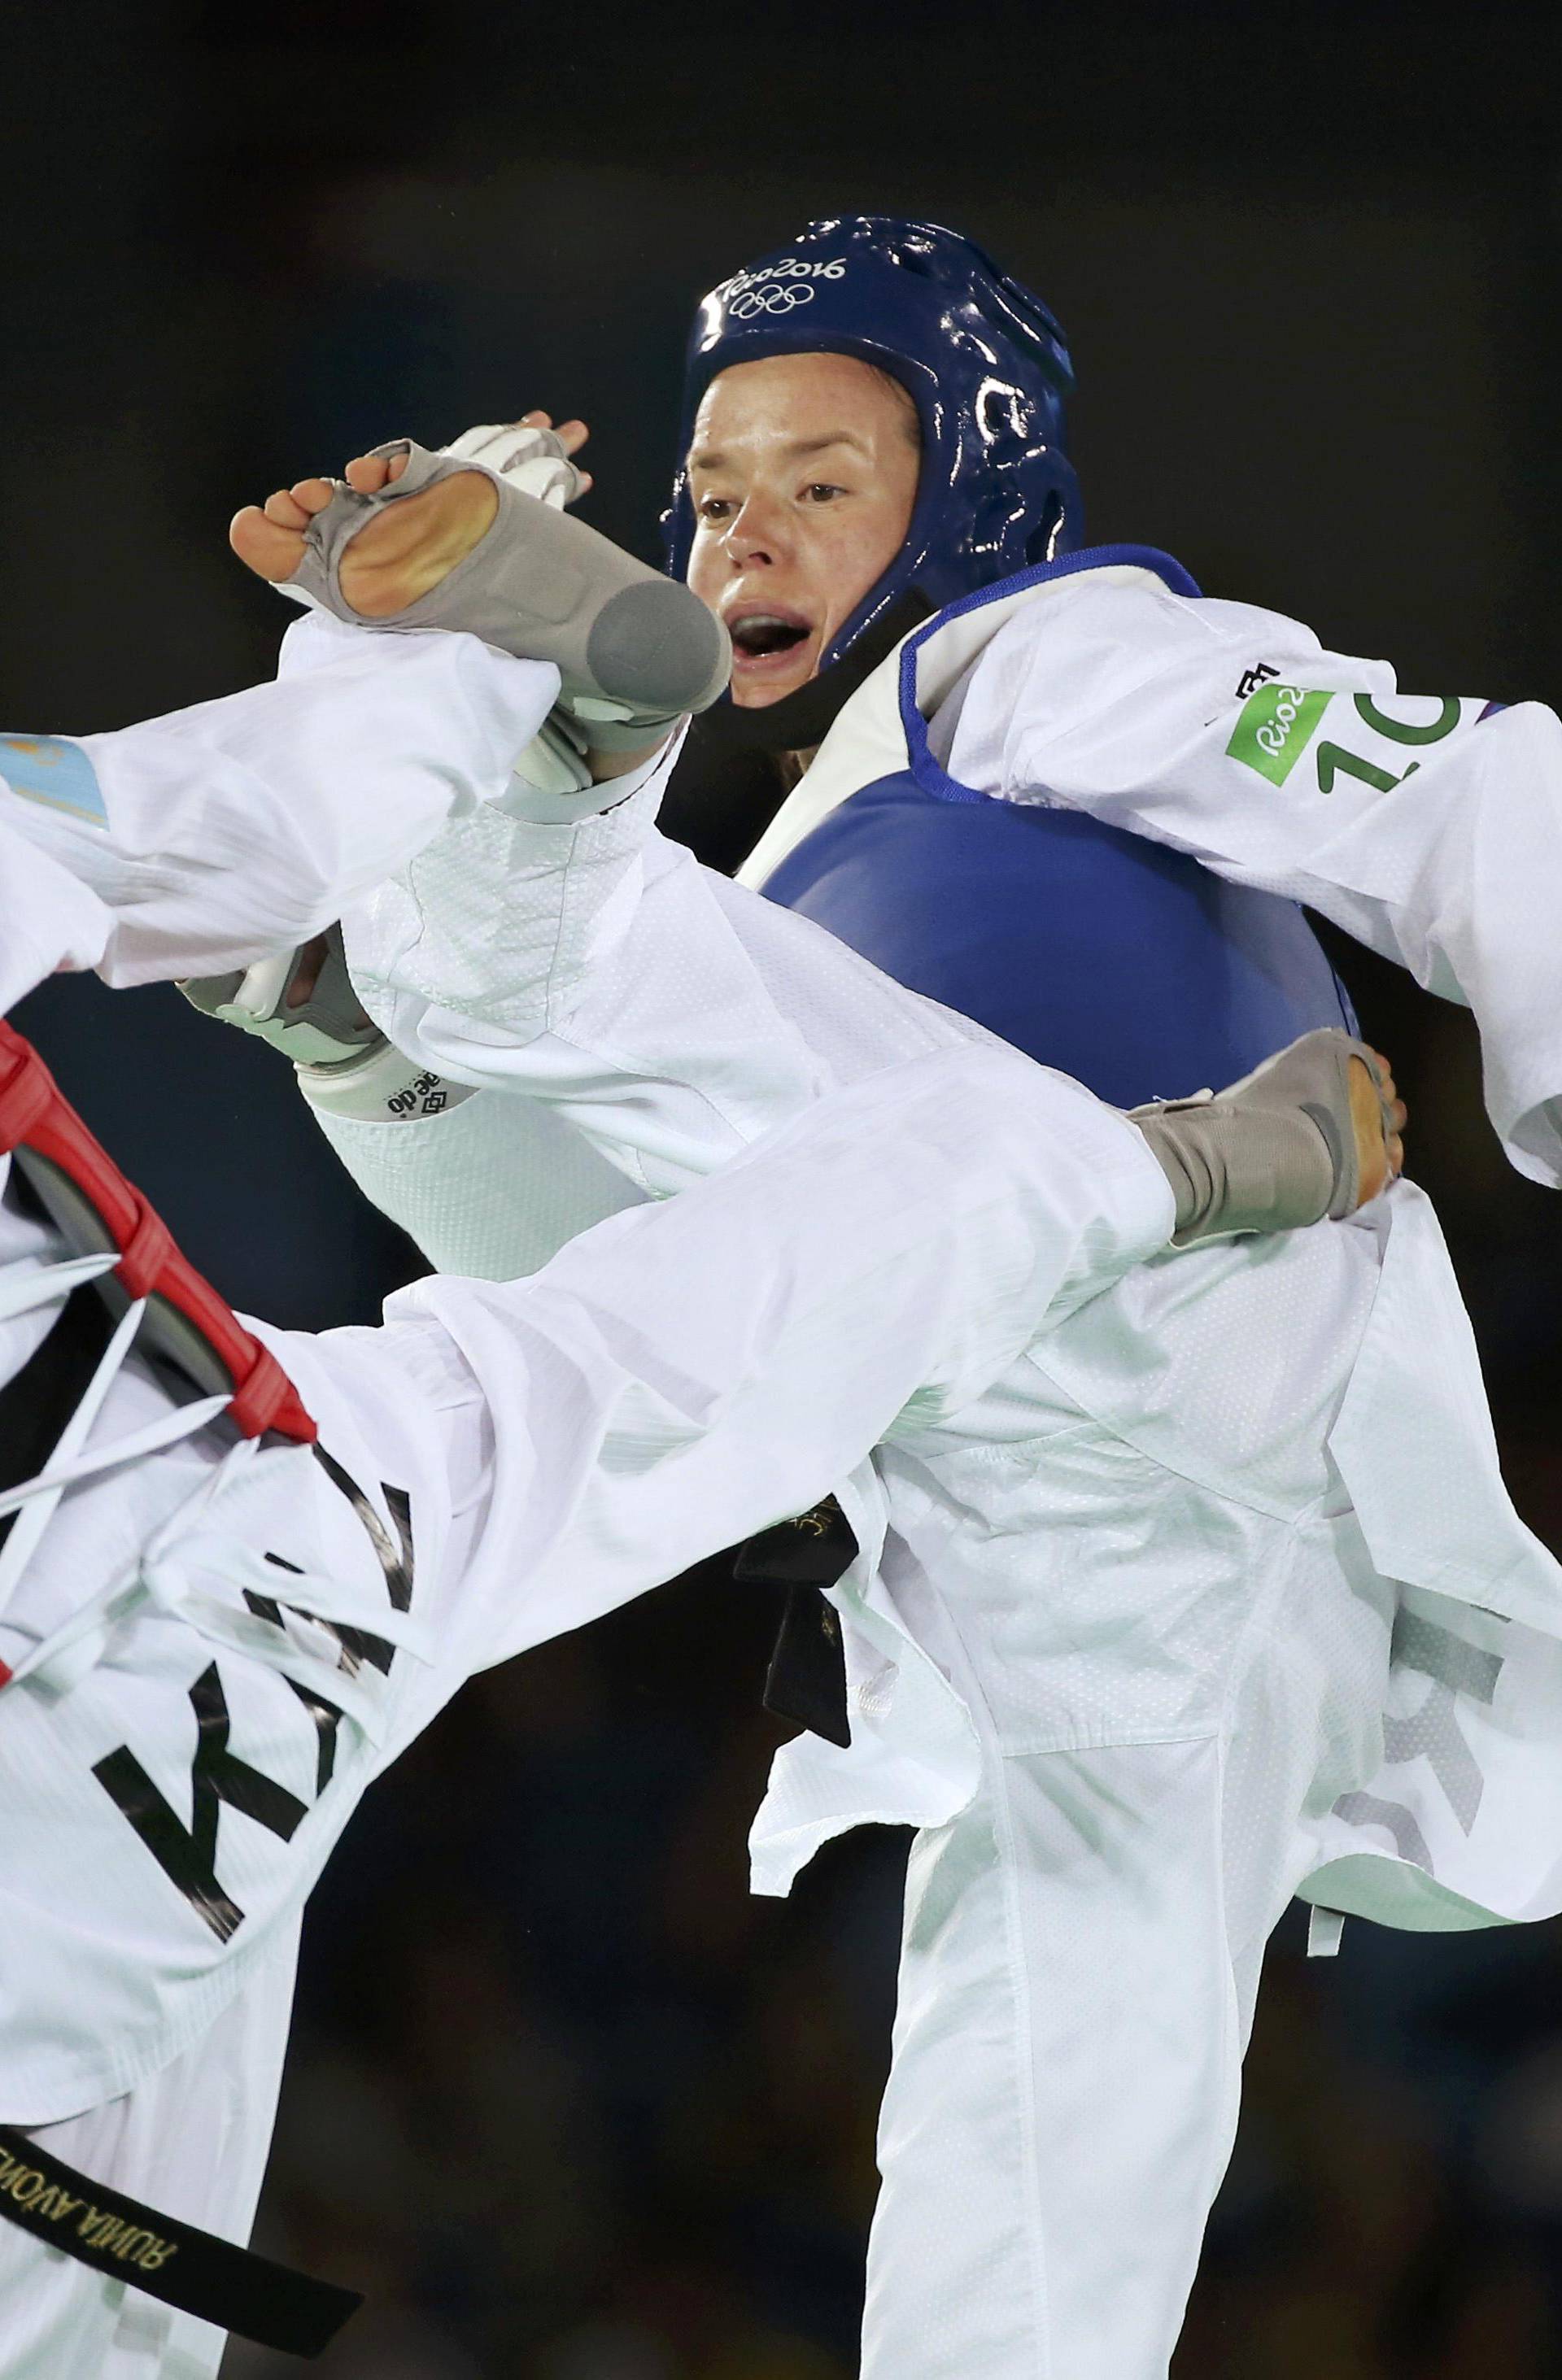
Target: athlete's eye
(714, 508)
(823, 492)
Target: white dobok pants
(1078, 1967)
(192, 2141)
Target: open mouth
(765, 636)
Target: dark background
(569, 2104)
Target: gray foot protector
(635, 651)
(327, 1028)
(1273, 1152)
(346, 1066)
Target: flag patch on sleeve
(50, 769)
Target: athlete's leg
(1080, 1962)
(191, 2140)
(633, 649)
(1065, 2083)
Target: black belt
(200, 2273)
(807, 1677)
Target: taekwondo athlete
(1080, 801)
(241, 1567)
(1216, 1598)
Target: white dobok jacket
(680, 1379)
(1102, 1529)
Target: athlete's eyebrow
(709, 458)
(801, 446)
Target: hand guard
(634, 651)
(1275, 1151)
(527, 458)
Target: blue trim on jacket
(924, 767)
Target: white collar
(869, 738)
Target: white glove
(525, 457)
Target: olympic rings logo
(771, 297)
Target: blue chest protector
(1123, 963)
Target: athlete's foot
(397, 557)
(1378, 1115)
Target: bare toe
(271, 550)
(311, 495)
(370, 473)
(285, 509)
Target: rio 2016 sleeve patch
(1275, 726)
(49, 769)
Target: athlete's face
(803, 473)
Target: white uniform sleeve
(48, 920)
(1429, 827)
(244, 825)
(686, 1374)
(669, 1015)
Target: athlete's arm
(1429, 827)
(222, 832)
(48, 919)
(689, 1373)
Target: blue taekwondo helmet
(983, 360)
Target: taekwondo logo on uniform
(1275, 727)
(779, 288)
(424, 1095)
